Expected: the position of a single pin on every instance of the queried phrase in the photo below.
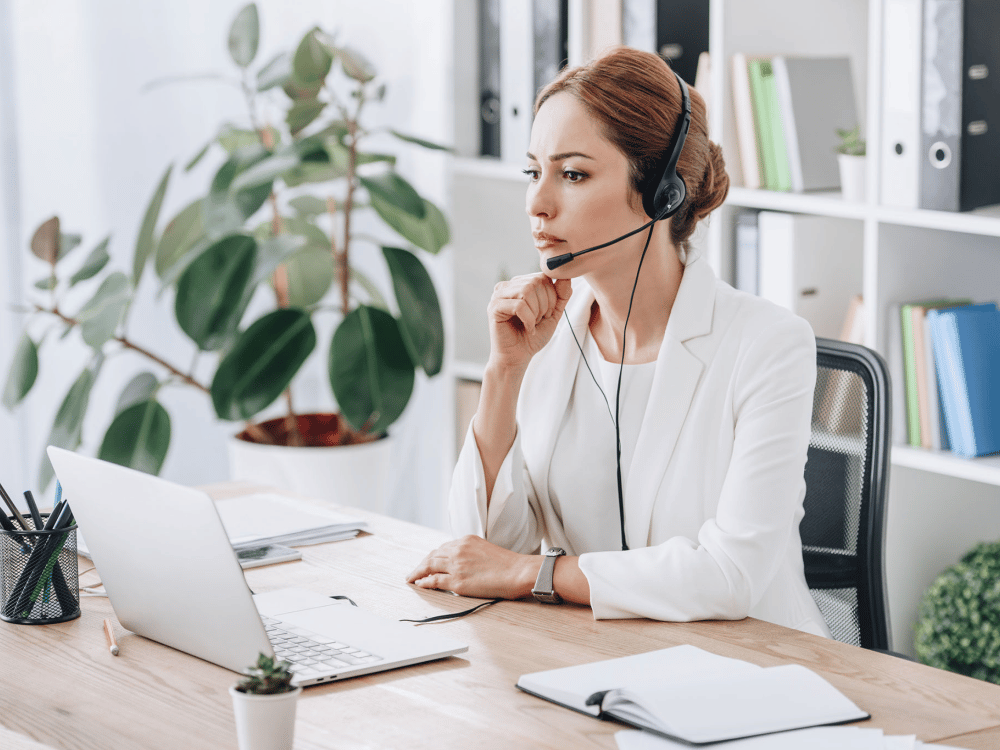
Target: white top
(716, 482)
(585, 448)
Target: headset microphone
(660, 198)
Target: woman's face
(579, 192)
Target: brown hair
(637, 100)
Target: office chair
(847, 472)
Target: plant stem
(343, 261)
(134, 347)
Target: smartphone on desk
(255, 554)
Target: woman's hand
(523, 315)
(471, 566)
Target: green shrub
(958, 625)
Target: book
(901, 153)
(770, 132)
(267, 518)
(912, 365)
(815, 99)
(894, 359)
(967, 355)
(938, 439)
(695, 696)
(746, 129)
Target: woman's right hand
(523, 315)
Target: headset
(661, 199)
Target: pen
(13, 508)
(109, 636)
(35, 515)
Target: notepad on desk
(277, 519)
(696, 696)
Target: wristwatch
(544, 591)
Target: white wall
(91, 147)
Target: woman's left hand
(471, 566)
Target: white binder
(901, 151)
(516, 79)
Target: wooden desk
(61, 686)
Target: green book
(770, 131)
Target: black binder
(489, 78)
(681, 31)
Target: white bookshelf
(938, 502)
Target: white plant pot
(265, 722)
(353, 475)
(852, 177)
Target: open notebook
(696, 696)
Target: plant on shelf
(267, 677)
(851, 142)
(958, 624)
(277, 223)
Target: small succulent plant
(267, 677)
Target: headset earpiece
(662, 198)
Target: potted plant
(851, 158)
(264, 706)
(277, 225)
(958, 623)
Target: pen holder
(38, 575)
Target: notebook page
(708, 709)
(571, 686)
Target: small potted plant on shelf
(264, 705)
(851, 158)
(277, 225)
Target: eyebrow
(560, 157)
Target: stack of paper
(276, 519)
(817, 738)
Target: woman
(715, 393)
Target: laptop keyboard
(311, 653)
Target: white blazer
(714, 497)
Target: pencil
(109, 636)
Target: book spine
(762, 125)
(894, 336)
(933, 398)
(941, 120)
(745, 130)
(920, 366)
(946, 378)
(963, 438)
(901, 152)
(783, 178)
(910, 372)
(787, 118)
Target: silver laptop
(172, 576)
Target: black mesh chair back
(843, 530)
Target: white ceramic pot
(852, 177)
(354, 475)
(265, 722)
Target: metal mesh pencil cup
(38, 575)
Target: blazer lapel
(675, 380)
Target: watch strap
(544, 590)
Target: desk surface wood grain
(60, 685)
